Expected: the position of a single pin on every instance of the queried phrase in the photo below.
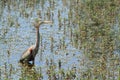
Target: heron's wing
(26, 54)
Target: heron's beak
(47, 22)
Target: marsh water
(57, 58)
(17, 34)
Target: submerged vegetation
(82, 44)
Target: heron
(30, 53)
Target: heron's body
(30, 53)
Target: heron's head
(39, 22)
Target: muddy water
(17, 34)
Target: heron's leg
(33, 61)
(21, 61)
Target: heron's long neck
(37, 40)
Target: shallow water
(59, 57)
(17, 34)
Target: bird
(30, 53)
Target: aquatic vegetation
(82, 44)
(96, 35)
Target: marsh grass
(95, 32)
(92, 27)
